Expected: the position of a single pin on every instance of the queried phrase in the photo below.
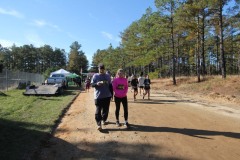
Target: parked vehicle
(58, 79)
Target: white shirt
(141, 81)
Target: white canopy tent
(60, 71)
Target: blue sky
(58, 23)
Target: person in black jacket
(134, 84)
(147, 83)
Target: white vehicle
(58, 79)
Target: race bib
(120, 87)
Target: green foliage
(164, 71)
(113, 59)
(49, 71)
(154, 75)
(179, 33)
(77, 59)
(31, 59)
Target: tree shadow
(73, 88)
(3, 94)
(50, 98)
(19, 141)
(157, 95)
(61, 150)
(185, 131)
(154, 101)
(164, 101)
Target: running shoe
(117, 124)
(99, 127)
(104, 123)
(126, 124)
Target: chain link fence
(12, 79)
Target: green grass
(26, 121)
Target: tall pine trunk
(203, 45)
(223, 60)
(198, 52)
(173, 49)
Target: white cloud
(110, 36)
(55, 27)
(34, 39)
(107, 35)
(43, 23)
(39, 23)
(11, 13)
(8, 43)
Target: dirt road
(161, 128)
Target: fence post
(7, 79)
(18, 77)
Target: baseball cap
(101, 66)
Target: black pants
(102, 109)
(125, 107)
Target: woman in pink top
(120, 89)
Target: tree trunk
(173, 49)
(217, 52)
(238, 69)
(198, 53)
(202, 45)
(223, 65)
(177, 59)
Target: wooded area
(179, 38)
(44, 59)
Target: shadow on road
(19, 141)
(108, 150)
(154, 101)
(185, 131)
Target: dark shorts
(141, 86)
(135, 88)
(146, 87)
(87, 86)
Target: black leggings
(125, 107)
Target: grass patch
(25, 121)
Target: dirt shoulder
(211, 89)
(165, 127)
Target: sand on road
(163, 127)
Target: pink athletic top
(120, 87)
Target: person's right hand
(100, 83)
